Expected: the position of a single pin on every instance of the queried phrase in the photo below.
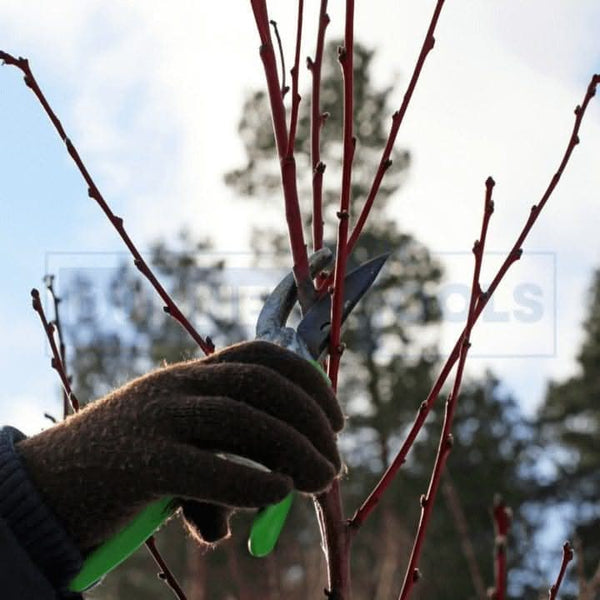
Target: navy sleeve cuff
(32, 522)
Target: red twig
(397, 119)
(335, 532)
(346, 58)
(49, 281)
(170, 307)
(385, 163)
(514, 255)
(295, 77)
(287, 161)
(567, 557)
(164, 574)
(336, 540)
(445, 444)
(317, 120)
(502, 516)
(56, 361)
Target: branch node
(416, 575)
(516, 254)
(320, 168)
(342, 214)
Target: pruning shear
(310, 340)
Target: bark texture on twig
(567, 557)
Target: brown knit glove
(160, 435)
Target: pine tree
(569, 430)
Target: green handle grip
(267, 527)
(269, 522)
(113, 552)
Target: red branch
(49, 281)
(385, 163)
(335, 533)
(567, 557)
(317, 120)
(514, 255)
(164, 574)
(346, 58)
(295, 77)
(287, 161)
(170, 307)
(502, 516)
(445, 444)
(56, 361)
(397, 119)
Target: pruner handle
(114, 551)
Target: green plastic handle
(268, 524)
(113, 552)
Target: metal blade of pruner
(315, 327)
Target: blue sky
(151, 95)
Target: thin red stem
(56, 361)
(567, 557)
(445, 444)
(515, 253)
(49, 281)
(295, 77)
(287, 162)
(170, 307)
(336, 540)
(397, 119)
(346, 58)
(164, 574)
(336, 534)
(317, 120)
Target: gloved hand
(161, 435)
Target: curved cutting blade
(315, 327)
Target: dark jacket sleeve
(37, 557)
